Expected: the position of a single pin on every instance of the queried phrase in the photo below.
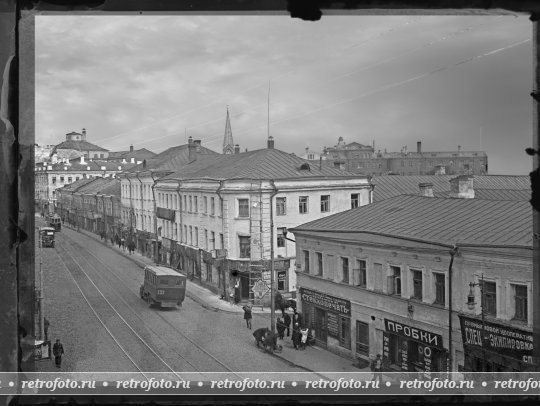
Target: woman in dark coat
(259, 335)
(280, 325)
(287, 322)
(296, 336)
(297, 318)
(247, 315)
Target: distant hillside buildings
(363, 159)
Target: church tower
(228, 144)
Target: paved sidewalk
(312, 359)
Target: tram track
(122, 295)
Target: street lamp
(471, 303)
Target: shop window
(319, 263)
(416, 284)
(243, 207)
(344, 270)
(360, 273)
(440, 289)
(306, 261)
(281, 205)
(245, 248)
(520, 303)
(345, 332)
(490, 298)
(362, 338)
(280, 237)
(325, 203)
(355, 200)
(303, 204)
(394, 281)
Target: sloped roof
(436, 220)
(79, 145)
(75, 185)
(95, 165)
(394, 185)
(138, 154)
(258, 164)
(101, 186)
(496, 194)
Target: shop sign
(164, 213)
(280, 264)
(281, 276)
(326, 301)
(431, 339)
(504, 340)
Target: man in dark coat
(270, 341)
(296, 336)
(58, 351)
(131, 246)
(297, 318)
(259, 335)
(287, 322)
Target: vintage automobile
(163, 286)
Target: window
(205, 204)
(208, 272)
(417, 284)
(490, 298)
(190, 204)
(360, 273)
(355, 200)
(213, 240)
(196, 236)
(319, 263)
(306, 261)
(394, 281)
(245, 249)
(54, 180)
(345, 332)
(243, 207)
(190, 236)
(303, 204)
(362, 338)
(70, 179)
(325, 203)
(344, 270)
(281, 204)
(521, 303)
(440, 287)
(77, 178)
(280, 237)
(212, 210)
(195, 204)
(221, 242)
(185, 234)
(205, 238)
(185, 203)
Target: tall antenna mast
(268, 108)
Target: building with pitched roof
(132, 155)
(75, 146)
(423, 281)
(49, 177)
(364, 159)
(223, 218)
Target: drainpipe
(453, 252)
(130, 207)
(226, 260)
(272, 283)
(142, 201)
(179, 209)
(156, 259)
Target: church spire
(228, 144)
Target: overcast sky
(150, 80)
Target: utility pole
(41, 313)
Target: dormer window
(305, 167)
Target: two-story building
(430, 283)
(229, 215)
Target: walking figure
(280, 325)
(376, 367)
(58, 351)
(123, 243)
(296, 336)
(247, 315)
(131, 246)
(303, 340)
(287, 322)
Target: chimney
(419, 147)
(440, 170)
(237, 149)
(132, 160)
(197, 145)
(124, 161)
(84, 132)
(82, 160)
(270, 142)
(459, 148)
(192, 153)
(461, 187)
(131, 148)
(426, 189)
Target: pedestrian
(259, 335)
(131, 246)
(46, 328)
(376, 368)
(237, 292)
(58, 351)
(231, 296)
(123, 242)
(247, 315)
(303, 340)
(297, 318)
(287, 322)
(280, 325)
(296, 336)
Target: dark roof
(436, 220)
(172, 159)
(259, 164)
(138, 154)
(79, 146)
(105, 186)
(75, 185)
(388, 186)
